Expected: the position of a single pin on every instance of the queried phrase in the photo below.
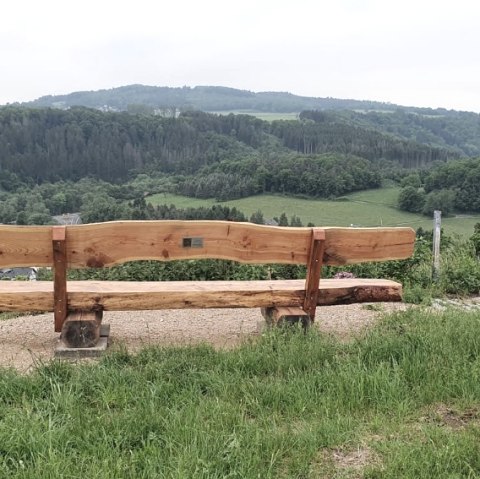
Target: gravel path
(30, 340)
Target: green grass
(288, 406)
(267, 116)
(379, 196)
(366, 208)
(10, 314)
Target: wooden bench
(78, 305)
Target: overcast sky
(409, 52)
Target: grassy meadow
(365, 208)
(402, 401)
(267, 116)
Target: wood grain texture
(125, 296)
(81, 329)
(358, 245)
(60, 276)
(107, 244)
(314, 271)
(25, 246)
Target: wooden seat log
(77, 305)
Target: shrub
(411, 199)
(460, 270)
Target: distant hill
(459, 132)
(205, 98)
(454, 130)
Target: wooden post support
(281, 315)
(81, 329)
(314, 271)
(60, 279)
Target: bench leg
(81, 329)
(289, 315)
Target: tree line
(325, 176)
(323, 132)
(454, 185)
(456, 131)
(202, 154)
(99, 201)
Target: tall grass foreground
(283, 406)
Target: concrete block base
(64, 352)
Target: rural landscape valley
(371, 390)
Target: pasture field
(267, 115)
(365, 208)
(402, 401)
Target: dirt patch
(345, 463)
(445, 416)
(355, 460)
(29, 340)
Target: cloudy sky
(409, 52)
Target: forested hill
(457, 131)
(205, 98)
(43, 143)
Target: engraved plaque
(195, 242)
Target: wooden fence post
(60, 279)
(437, 225)
(314, 271)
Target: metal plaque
(192, 242)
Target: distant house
(68, 219)
(271, 222)
(18, 273)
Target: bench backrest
(107, 244)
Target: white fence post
(437, 223)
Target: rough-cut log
(26, 296)
(125, 296)
(286, 315)
(106, 244)
(81, 329)
(358, 245)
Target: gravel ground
(30, 340)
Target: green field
(267, 116)
(366, 208)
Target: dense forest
(205, 155)
(454, 130)
(458, 131)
